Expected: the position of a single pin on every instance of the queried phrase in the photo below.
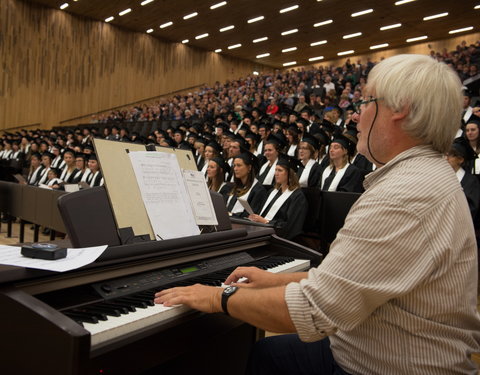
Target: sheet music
(164, 194)
(76, 258)
(200, 198)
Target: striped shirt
(397, 293)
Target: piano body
(99, 319)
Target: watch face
(229, 289)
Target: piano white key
(116, 327)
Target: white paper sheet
(76, 258)
(200, 198)
(164, 194)
(246, 205)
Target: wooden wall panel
(55, 66)
(421, 48)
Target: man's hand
(256, 278)
(199, 297)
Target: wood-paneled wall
(421, 48)
(55, 66)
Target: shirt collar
(417, 151)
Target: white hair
(430, 90)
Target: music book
(176, 202)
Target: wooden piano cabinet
(37, 339)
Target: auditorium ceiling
(275, 33)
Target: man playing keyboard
(397, 292)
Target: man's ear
(401, 114)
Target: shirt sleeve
(380, 253)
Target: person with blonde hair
(397, 293)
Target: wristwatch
(227, 292)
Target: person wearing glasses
(397, 293)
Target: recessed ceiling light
(109, 19)
(417, 38)
(218, 5)
(318, 43)
(388, 27)
(379, 46)
(403, 2)
(201, 36)
(351, 35)
(289, 49)
(255, 73)
(293, 31)
(362, 12)
(316, 58)
(461, 30)
(428, 18)
(260, 39)
(252, 20)
(476, 6)
(191, 15)
(64, 5)
(185, 41)
(164, 25)
(149, 31)
(322, 23)
(263, 55)
(289, 63)
(289, 9)
(123, 12)
(234, 46)
(146, 2)
(345, 52)
(227, 28)
(218, 50)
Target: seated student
(358, 160)
(216, 171)
(47, 158)
(310, 171)
(245, 186)
(36, 169)
(212, 150)
(340, 175)
(274, 145)
(286, 206)
(324, 141)
(293, 134)
(54, 180)
(199, 146)
(458, 156)
(95, 177)
(70, 170)
(82, 170)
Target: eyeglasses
(358, 105)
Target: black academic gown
(314, 176)
(289, 219)
(471, 188)
(362, 163)
(352, 181)
(255, 199)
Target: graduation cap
(222, 125)
(474, 120)
(201, 140)
(289, 162)
(311, 140)
(306, 110)
(294, 128)
(328, 126)
(80, 155)
(36, 154)
(463, 149)
(56, 171)
(264, 125)
(466, 92)
(250, 159)
(302, 121)
(277, 139)
(92, 156)
(243, 143)
(216, 146)
(88, 148)
(345, 142)
(68, 151)
(222, 164)
(252, 135)
(49, 154)
(351, 133)
(179, 131)
(169, 141)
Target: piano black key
(97, 314)
(124, 308)
(133, 302)
(82, 317)
(105, 310)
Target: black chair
(335, 208)
(312, 225)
